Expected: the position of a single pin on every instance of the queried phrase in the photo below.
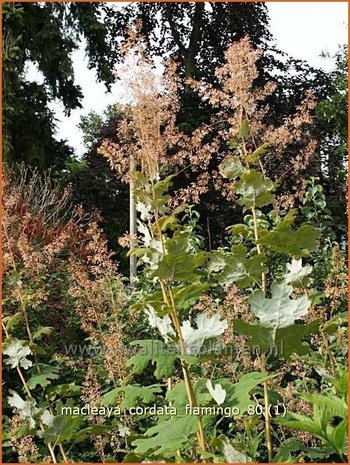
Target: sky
(302, 29)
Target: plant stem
(170, 302)
(61, 448)
(267, 412)
(262, 358)
(193, 402)
(190, 391)
(258, 248)
(187, 377)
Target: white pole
(133, 229)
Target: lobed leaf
(230, 454)
(255, 190)
(231, 167)
(132, 394)
(236, 268)
(297, 272)
(167, 437)
(280, 310)
(297, 243)
(285, 341)
(48, 373)
(17, 354)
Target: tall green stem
(263, 288)
(262, 358)
(190, 391)
(170, 302)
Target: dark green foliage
(332, 117)
(197, 34)
(45, 35)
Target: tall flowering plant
(188, 399)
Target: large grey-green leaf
(279, 311)
(44, 378)
(297, 272)
(155, 352)
(291, 339)
(178, 397)
(238, 394)
(207, 328)
(163, 324)
(260, 338)
(17, 354)
(178, 264)
(27, 409)
(230, 454)
(62, 428)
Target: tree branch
(174, 31)
(195, 38)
